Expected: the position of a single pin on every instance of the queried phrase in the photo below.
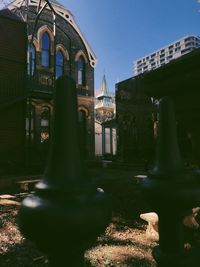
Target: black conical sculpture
(172, 192)
(168, 159)
(67, 211)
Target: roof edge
(68, 16)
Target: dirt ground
(123, 244)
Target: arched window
(46, 45)
(59, 64)
(82, 118)
(30, 123)
(81, 71)
(31, 60)
(45, 125)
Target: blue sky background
(121, 31)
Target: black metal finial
(67, 212)
(168, 160)
(171, 192)
(65, 163)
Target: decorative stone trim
(79, 54)
(81, 108)
(35, 43)
(66, 15)
(40, 32)
(63, 50)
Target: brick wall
(71, 41)
(135, 125)
(12, 89)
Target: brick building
(64, 51)
(135, 117)
(136, 101)
(12, 90)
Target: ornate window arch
(59, 63)
(79, 54)
(40, 33)
(62, 57)
(83, 109)
(82, 117)
(81, 71)
(83, 129)
(35, 43)
(63, 50)
(81, 61)
(46, 50)
(31, 59)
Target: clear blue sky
(121, 31)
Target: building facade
(105, 126)
(135, 120)
(56, 47)
(166, 54)
(137, 101)
(12, 91)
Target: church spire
(104, 99)
(103, 89)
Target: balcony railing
(44, 82)
(41, 81)
(83, 91)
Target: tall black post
(172, 192)
(67, 211)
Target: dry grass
(123, 244)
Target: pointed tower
(104, 104)
(105, 128)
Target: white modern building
(166, 54)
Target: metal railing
(41, 81)
(83, 91)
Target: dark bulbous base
(66, 225)
(67, 212)
(76, 259)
